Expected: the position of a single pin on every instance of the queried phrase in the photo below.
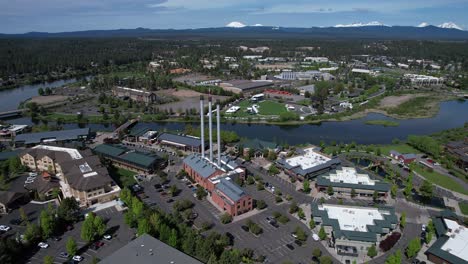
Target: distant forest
(68, 55)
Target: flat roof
(350, 175)
(147, 249)
(457, 243)
(353, 218)
(180, 139)
(74, 153)
(308, 159)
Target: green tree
(375, 196)
(293, 208)
(353, 192)
(426, 190)
(201, 193)
(330, 190)
(261, 204)
(300, 233)
(322, 235)
(48, 260)
(403, 220)
(87, 228)
(99, 226)
(40, 91)
(68, 209)
(273, 170)
(71, 246)
(23, 216)
(47, 224)
(316, 252)
(173, 238)
(372, 251)
(325, 260)
(226, 218)
(32, 233)
(260, 186)
(144, 227)
(312, 224)
(394, 258)
(394, 190)
(306, 186)
(413, 247)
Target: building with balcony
(81, 174)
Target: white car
(28, 181)
(107, 237)
(315, 237)
(33, 174)
(77, 258)
(294, 235)
(4, 228)
(423, 228)
(43, 245)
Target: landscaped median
(439, 179)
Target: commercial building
(308, 164)
(316, 59)
(459, 150)
(52, 137)
(424, 80)
(403, 158)
(451, 246)
(348, 179)
(134, 94)
(258, 146)
(147, 249)
(216, 175)
(245, 86)
(81, 174)
(10, 200)
(10, 131)
(183, 142)
(136, 161)
(353, 229)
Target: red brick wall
(245, 204)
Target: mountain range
(372, 30)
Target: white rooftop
(457, 244)
(74, 154)
(353, 218)
(308, 160)
(350, 175)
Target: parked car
(16, 222)
(294, 235)
(315, 237)
(245, 228)
(423, 228)
(77, 258)
(4, 228)
(64, 255)
(169, 200)
(298, 242)
(43, 245)
(107, 237)
(290, 247)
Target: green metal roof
(140, 159)
(136, 132)
(110, 150)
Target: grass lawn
(122, 177)
(415, 106)
(464, 207)
(402, 148)
(440, 179)
(386, 123)
(266, 108)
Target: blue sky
(18, 16)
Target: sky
(20, 16)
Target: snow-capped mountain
(359, 24)
(424, 24)
(450, 25)
(236, 24)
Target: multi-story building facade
(81, 174)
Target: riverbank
(385, 123)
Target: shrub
(283, 219)
(278, 199)
(226, 218)
(261, 204)
(389, 242)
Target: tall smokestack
(202, 126)
(218, 132)
(210, 127)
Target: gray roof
(230, 189)
(5, 155)
(184, 140)
(200, 165)
(373, 230)
(247, 84)
(147, 249)
(409, 156)
(229, 162)
(61, 135)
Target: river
(452, 114)
(11, 98)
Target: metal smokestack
(202, 126)
(218, 132)
(210, 127)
